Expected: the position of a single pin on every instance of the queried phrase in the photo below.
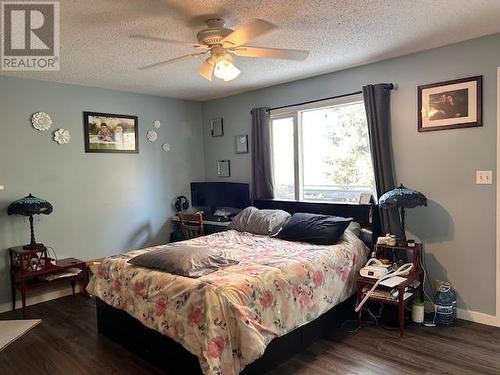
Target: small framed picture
(109, 133)
(223, 168)
(217, 127)
(450, 105)
(241, 144)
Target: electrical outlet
(484, 177)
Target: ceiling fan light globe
(230, 78)
(225, 70)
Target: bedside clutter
(388, 281)
(398, 250)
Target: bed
(222, 322)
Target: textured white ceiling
(96, 50)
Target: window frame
(294, 112)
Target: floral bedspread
(228, 318)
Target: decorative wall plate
(157, 124)
(41, 121)
(62, 136)
(151, 135)
(165, 147)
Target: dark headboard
(365, 214)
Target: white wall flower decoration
(157, 124)
(165, 147)
(62, 136)
(151, 135)
(41, 121)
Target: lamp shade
(402, 197)
(29, 206)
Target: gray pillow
(183, 260)
(253, 220)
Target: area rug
(11, 330)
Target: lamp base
(33, 247)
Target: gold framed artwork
(450, 104)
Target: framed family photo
(110, 133)
(450, 105)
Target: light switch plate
(484, 177)
(2, 187)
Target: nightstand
(32, 269)
(393, 253)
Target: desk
(210, 227)
(222, 224)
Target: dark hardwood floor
(66, 342)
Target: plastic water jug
(445, 302)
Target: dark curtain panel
(262, 173)
(378, 113)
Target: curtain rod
(389, 87)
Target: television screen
(220, 194)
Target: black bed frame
(171, 357)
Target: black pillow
(315, 229)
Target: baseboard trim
(39, 298)
(478, 317)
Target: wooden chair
(191, 225)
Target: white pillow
(253, 220)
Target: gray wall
(103, 203)
(458, 226)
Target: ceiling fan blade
(271, 53)
(207, 69)
(166, 40)
(247, 32)
(171, 61)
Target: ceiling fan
(222, 43)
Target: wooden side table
(32, 269)
(413, 255)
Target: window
(322, 152)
